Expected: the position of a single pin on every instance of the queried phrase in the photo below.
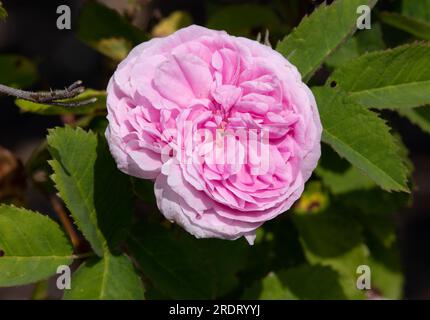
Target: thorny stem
(65, 221)
(52, 97)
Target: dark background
(30, 30)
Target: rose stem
(51, 97)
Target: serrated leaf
(418, 116)
(16, 71)
(183, 267)
(417, 28)
(95, 192)
(391, 79)
(106, 31)
(32, 247)
(361, 137)
(303, 282)
(45, 109)
(107, 278)
(320, 34)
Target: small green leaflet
(32, 247)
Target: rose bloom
(223, 125)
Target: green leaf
(387, 273)
(418, 116)
(364, 139)
(339, 183)
(374, 209)
(106, 31)
(391, 79)
(303, 282)
(252, 16)
(95, 192)
(336, 241)
(183, 267)
(362, 42)
(370, 40)
(108, 278)
(417, 28)
(419, 9)
(45, 109)
(175, 21)
(16, 71)
(32, 247)
(345, 53)
(320, 34)
(3, 13)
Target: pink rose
(223, 125)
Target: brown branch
(52, 97)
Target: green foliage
(252, 16)
(175, 21)
(362, 138)
(418, 28)
(16, 71)
(302, 282)
(362, 42)
(48, 110)
(32, 247)
(392, 79)
(108, 32)
(95, 192)
(3, 13)
(342, 252)
(108, 278)
(419, 9)
(344, 218)
(418, 116)
(320, 34)
(178, 264)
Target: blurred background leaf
(108, 32)
(178, 264)
(17, 71)
(3, 13)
